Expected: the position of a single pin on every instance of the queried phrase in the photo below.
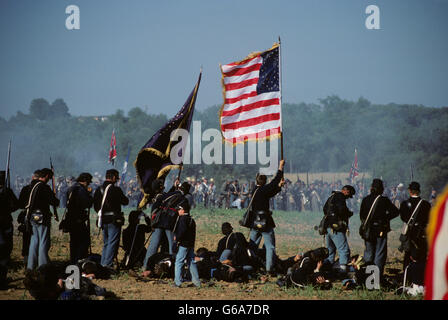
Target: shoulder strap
(100, 212)
(104, 196)
(32, 196)
(228, 238)
(68, 199)
(330, 202)
(415, 211)
(67, 204)
(171, 198)
(250, 203)
(303, 261)
(371, 210)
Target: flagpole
(180, 171)
(115, 142)
(280, 87)
(181, 165)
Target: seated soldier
(306, 271)
(134, 239)
(91, 268)
(356, 273)
(160, 265)
(44, 283)
(210, 267)
(207, 262)
(229, 273)
(282, 266)
(47, 283)
(233, 249)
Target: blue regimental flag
(154, 161)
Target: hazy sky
(148, 53)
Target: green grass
(294, 233)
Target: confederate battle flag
(113, 148)
(354, 168)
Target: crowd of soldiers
(294, 196)
(170, 251)
(63, 183)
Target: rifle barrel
(8, 178)
(55, 211)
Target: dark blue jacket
(336, 208)
(114, 199)
(8, 204)
(185, 231)
(43, 198)
(78, 201)
(384, 211)
(263, 194)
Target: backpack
(166, 214)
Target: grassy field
(294, 233)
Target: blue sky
(148, 53)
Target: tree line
(318, 137)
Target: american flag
(113, 148)
(436, 273)
(354, 169)
(252, 97)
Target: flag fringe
(274, 136)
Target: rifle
(8, 178)
(128, 258)
(88, 226)
(307, 181)
(53, 186)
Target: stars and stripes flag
(354, 168)
(252, 97)
(436, 273)
(113, 148)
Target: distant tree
(317, 138)
(40, 109)
(59, 109)
(136, 113)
